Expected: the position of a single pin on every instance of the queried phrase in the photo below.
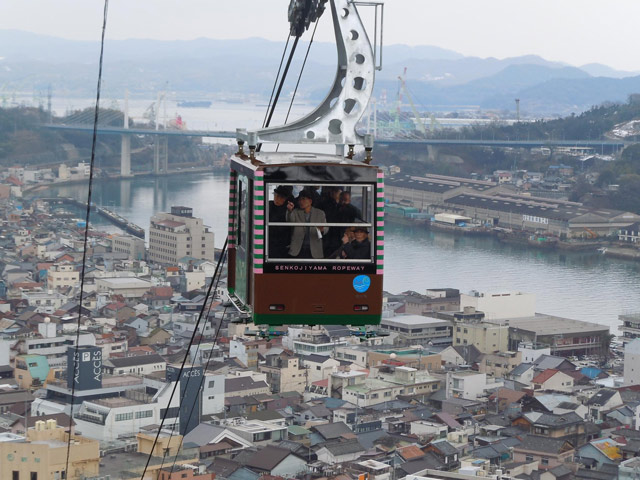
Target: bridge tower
(125, 149)
(160, 154)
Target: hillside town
(450, 385)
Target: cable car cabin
(306, 239)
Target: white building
(306, 341)
(128, 287)
(319, 367)
(44, 302)
(256, 431)
(179, 234)
(531, 351)
(213, 394)
(504, 305)
(632, 362)
(117, 418)
(136, 365)
(467, 384)
(417, 329)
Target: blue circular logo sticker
(361, 283)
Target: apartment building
(62, 275)
(42, 453)
(487, 337)
(178, 234)
(132, 246)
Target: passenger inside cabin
(347, 212)
(279, 237)
(329, 204)
(360, 247)
(306, 242)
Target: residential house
(256, 431)
(549, 452)
(32, 371)
(277, 461)
(446, 453)
(284, 372)
(460, 355)
(554, 380)
(215, 440)
(318, 367)
(499, 364)
(602, 451)
(523, 373)
(603, 401)
(244, 386)
(340, 451)
(569, 426)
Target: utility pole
(518, 110)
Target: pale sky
(571, 31)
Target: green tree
(628, 195)
(607, 177)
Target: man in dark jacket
(360, 247)
(279, 237)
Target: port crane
(402, 89)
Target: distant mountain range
(437, 78)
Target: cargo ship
(195, 104)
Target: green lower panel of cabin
(279, 319)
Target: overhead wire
(184, 360)
(275, 81)
(282, 80)
(86, 228)
(202, 379)
(304, 63)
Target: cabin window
(242, 235)
(328, 224)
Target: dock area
(113, 217)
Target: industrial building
(492, 204)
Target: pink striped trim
(380, 175)
(232, 195)
(380, 243)
(259, 174)
(380, 224)
(257, 270)
(258, 183)
(259, 241)
(380, 204)
(380, 271)
(258, 251)
(259, 222)
(380, 262)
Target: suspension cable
(86, 228)
(202, 379)
(195, 355)
(275, 80)
(184, 360)
(284, 77)
(304, 62)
